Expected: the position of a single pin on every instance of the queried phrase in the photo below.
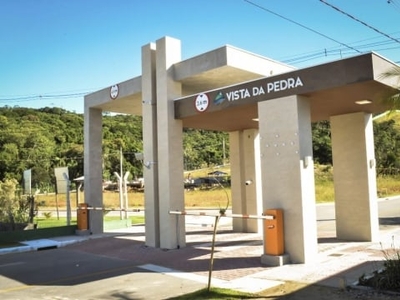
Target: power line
(303, 57)
(358, 20)
(27, 98)
(361, 44)
(395, 4)
(301, 25)
(294, 59)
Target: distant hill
(51, 137)
(47, 138)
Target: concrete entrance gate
(267, 108)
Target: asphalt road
(389, 207)
(66, 273)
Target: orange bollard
(82, 216)
(273, 233)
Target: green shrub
(389, 277)
(13, 210)
(47, 215)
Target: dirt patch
(301, 291)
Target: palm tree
(393, 99)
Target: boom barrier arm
(243, 216)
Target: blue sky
(52, 52)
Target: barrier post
(274, 248)
(82, 216)
(273, 230)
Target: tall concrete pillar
(150, 153)
(170, 146)
(354, 177)
(93, 164)
(246, 179)
(288, 172)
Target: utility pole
(223, 151)
(120, 183)
(123, 188)
(121, 173)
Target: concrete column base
(275, 260)
(82, 232)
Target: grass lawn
(10, 244)
(62, 221)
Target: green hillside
(47, 138)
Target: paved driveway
(67, 273)
(120, 266)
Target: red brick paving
(232, 259)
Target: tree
(387, 145)
(393, 99)
(204, 148)
(322, 145)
